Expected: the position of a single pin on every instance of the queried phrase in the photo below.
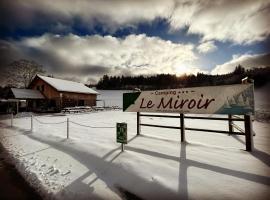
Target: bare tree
(22, 72)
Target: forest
(169, 81)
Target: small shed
(26, 94)
(26, 97)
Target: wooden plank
(160, 126)
(192, 129)
(230, 123)
(248, 133)
(165, 116)
(192, 117)
(138, 124)
(182, 127)
(213, 131)
(213, 118)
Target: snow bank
(111, 97)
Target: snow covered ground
(154, 165)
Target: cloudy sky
(85, 39)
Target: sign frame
(237, 99)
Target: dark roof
(26, 94)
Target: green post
(121, 134)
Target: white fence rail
(68, 121)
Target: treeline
(169, 81)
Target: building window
(38, 87)
(42, 88)
(52, 103)
(81, 103)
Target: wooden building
(60, 93)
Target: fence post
(11, 120)
(138, 123)
(67, 128)
(182, 127)
(32, 125)
(248, 132)
(230, 124)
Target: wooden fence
(247, 132)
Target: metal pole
(138, 123)
(248, 132)
(67, 128)
(182, 127)
(11, 122)
(230, 124)
(32, 125)
(122, 147)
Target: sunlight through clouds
(132, 55)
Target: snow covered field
(155, 165)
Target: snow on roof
(26, 94)
(67, 86)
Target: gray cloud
(7, 51)
(207, 47)
(239, 21)
(248, 61)
(94, 70)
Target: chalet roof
(67, 86)
(26, 94)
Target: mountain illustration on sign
(240, 103)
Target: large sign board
(235, 99)
(121, 133)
